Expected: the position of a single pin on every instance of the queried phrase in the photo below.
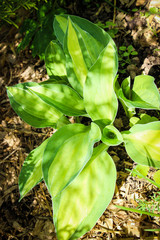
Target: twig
(21, 131)
(116, 7)
(49, 209)
(9, 155)
(114, 14)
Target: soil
(31, 218)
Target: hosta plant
(74, 163)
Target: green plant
(150, 206)
(144, 206)
(79, 173)
(110, 27)
(125, 54)
(149, 15)
(154, 204)
(38, 33)
(9, 8)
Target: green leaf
(144, 118)
(43, 36)
(134, 53)
(83, 42)
(62, 121)
(85, 199)
(142, 176)
(141, 169)
(124, 93)
(75, 61)
(126, 87)
(55, 60)
(29, 27)
(145, 90)
(138, 211)
(91, 46)
(156, 177)
(99, 94)
(142, 143)
(55, 80)
(126, 54)
(133, 121)
(62, 97)
(60, 27)
(144, 94)
(153, 10)
(66, 154)
(130, 48)
(31, 172)
(122, 48)
(111, 136)
(31, 108)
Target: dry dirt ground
(31, 219)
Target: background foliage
(8, 9)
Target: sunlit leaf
(138, 211)
(60, 27)
(66, 154)
(144, 93)
(55, 60)
(156, 177)
(83, 41)
(77, 208)
(99, 95)
(142, 143)
(31, 172)
(75, 61)
(61, 97)
(142, 169)
(31, 108)
(93, 46)
(144, 118)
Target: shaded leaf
(31, 172)
(29, 26)
(55, 60)
(56, 80)
(111, 136)
(43, 36)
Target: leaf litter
(32, 217)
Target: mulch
(31, 218)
